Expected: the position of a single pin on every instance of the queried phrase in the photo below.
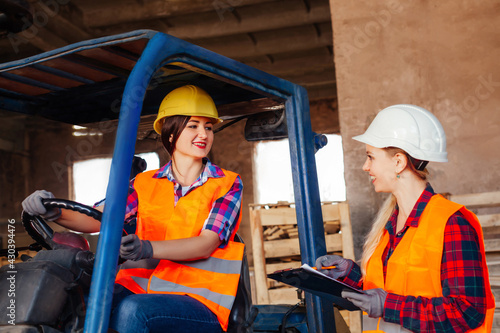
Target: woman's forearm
(193, 248)
(78, 222)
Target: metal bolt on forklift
(79, 83)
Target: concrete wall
(13, 166)
(13, 174)
(442, 55)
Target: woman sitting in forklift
(182, 268)
(423, 266)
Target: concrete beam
(59, 25)
(107, 13)
(267, 16)
(325, 76)
(319, 92)
(46, 40)
(292, 63)
(13, 48)
(276, 41)
(306, 71)
(50, 30)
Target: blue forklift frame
(162, 50)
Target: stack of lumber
(275, 246)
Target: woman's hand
(69, 219)
(342, 266)
(33, 205)
(133, 248)
(370, 301)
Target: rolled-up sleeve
(225, 212)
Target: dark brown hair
(172, 127)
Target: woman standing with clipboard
(423, 267)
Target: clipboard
(317, 283)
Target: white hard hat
(409, 127)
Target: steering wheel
(39, 230)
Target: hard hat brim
(158, 124)
(413, 151)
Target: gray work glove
(133, 248)
(371, 301)
(33, 206)
(342, 266)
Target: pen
(326, 267)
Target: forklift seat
(242, 314)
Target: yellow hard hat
(186, 101)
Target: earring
(398, 176)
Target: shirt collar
(416, 212)
(210, 171)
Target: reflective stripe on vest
(210, 264)
(379, 325)
(216, 265)
(415, 266)
(212, 281)
(159, 285)
(142, 282)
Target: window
(274, 172)
(90, 177)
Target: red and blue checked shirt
(225, 210)
(463, 305)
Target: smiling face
(196, 138)
(382, 168)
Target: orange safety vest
(212, 281)
(415, 266)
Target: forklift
(78, 83)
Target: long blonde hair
(375, 235)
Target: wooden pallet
(276, 246)
(486, 206)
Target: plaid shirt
(225, 210)
(463, 305)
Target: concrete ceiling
(291, 39)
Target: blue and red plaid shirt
(225, 210)
(463, 305)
